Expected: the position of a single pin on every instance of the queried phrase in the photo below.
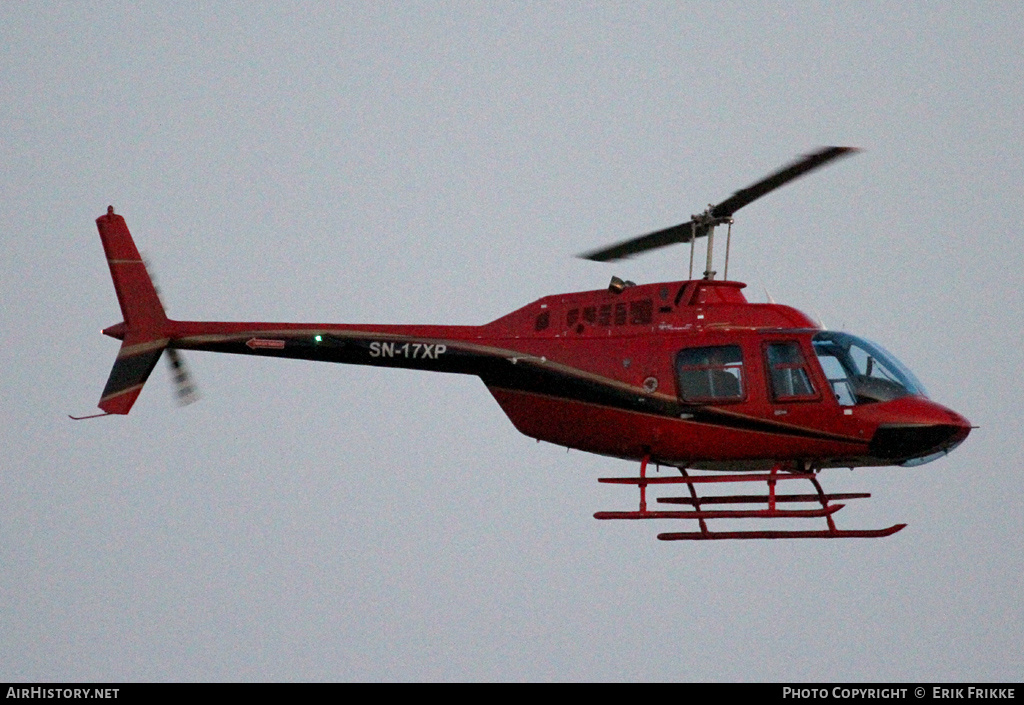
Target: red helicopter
(686, 374)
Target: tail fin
(144, 333)
(135, 291)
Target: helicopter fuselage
(632, 373)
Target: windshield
(862, 372)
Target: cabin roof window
(641, 312)
(620, 314)
(543, 321)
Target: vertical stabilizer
(144, 333)
(140, 304)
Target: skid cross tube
(760, 498)
(725, 514)
(777, 473)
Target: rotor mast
(707, 222)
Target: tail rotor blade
(184, 389)
(183, 385)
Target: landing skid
(822, 534)
(771, 499)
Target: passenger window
(711, 373)
(788, 372)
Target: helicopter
(684, 374)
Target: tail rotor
(185, 391)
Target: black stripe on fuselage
(498, 368)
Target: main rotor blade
(659, 238)
(783, 176)
(685, 231)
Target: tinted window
(788, 371)
(710, 373)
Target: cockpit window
(861, 372)
(710, 373)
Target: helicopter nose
(924, 429)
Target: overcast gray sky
(442, 163)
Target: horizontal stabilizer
(135, 361)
